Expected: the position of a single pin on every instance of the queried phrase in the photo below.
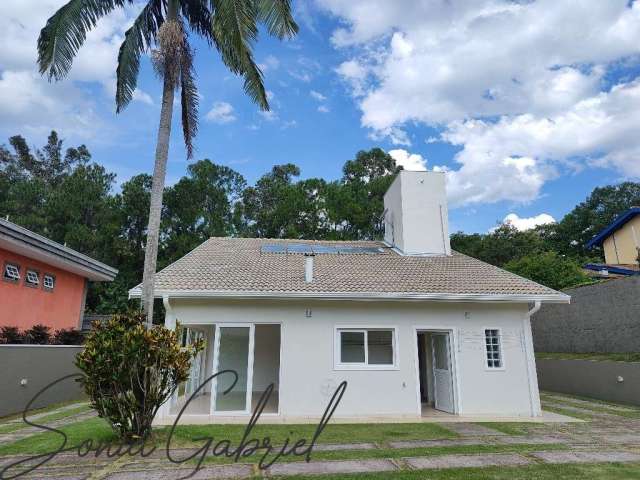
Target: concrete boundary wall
(603, 318)
(26, 369)
(604, 380)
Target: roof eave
(617, 224)
(371, 296)
(25, 242)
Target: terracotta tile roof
(239, 265)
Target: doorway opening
(253, 352)
(435, 371)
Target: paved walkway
(607, 437)
(25, 431)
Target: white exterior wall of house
(308, 375)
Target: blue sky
(527, 105)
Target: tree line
(61, 193)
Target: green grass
(379, 453)
(333, 433)
(94, 428)
(14, 427)
(553, 396)
(599, 408)
(614, 357)
(602, 471)
(98, 430)
(567, 413)
(510, 428)
(36, 411)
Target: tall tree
(588, 218)
(201, 205)
(357, 207)
(272, 206)
(231, 26)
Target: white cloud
(324, 109)
(317, 95)
(518, 86)
(409, 161)
(270, 63)
(527, 223)
(512, 158)
(221, 112)
(30, 104)
(269, 116)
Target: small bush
(68, 336)
(129, 372)
(38, 335)
(11, 336)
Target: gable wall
(620, 246)
(24, 306)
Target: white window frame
(500, 350)
(44, 282)
(337, 353)
(11, 278)
(28, 282)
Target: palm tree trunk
(155, 209)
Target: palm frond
(66, 31)
(189, 98)
(276, 15)
(198, 16)
(235, 31)
(136, 41)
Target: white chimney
(416, 218)
(308, 267)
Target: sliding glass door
(233, 351)
(253, 352)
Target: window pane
(492, 340)
(380, 344)
(440, 352)
(11, 272)
(233, 355)
(352, 347)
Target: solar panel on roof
(299, 248)
(273, 248)
(317, 249)
(324, 249)
(346, 250)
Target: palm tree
(231, 26)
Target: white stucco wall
(307, 365)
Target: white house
(410, 325)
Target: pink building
(44, 282)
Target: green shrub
(37, 335)
(11, 336)
(550, 269)
(68, 336)
(130, 371)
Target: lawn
(98, 430)
(604, 471)
(614, 357)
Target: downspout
(532, 376)
(169, 316)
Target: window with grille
(32, 278)
(49, 282)
(369, 348)
(493, 348)
(11, 272)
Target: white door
(442, 377)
